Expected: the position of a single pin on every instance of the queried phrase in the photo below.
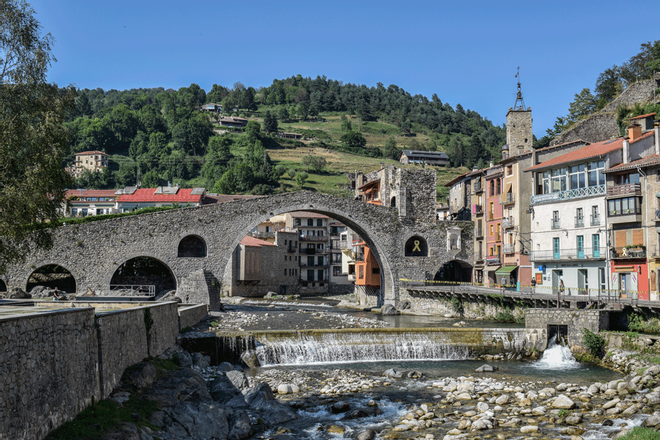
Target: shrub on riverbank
(642, 434)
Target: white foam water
(557, 357)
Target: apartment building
(313, 249)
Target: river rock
(250, 359)
(482, 406)
(225, 366)
(340, 407)
(388, 310)
(481, 424)
(653, 398)
(574, 419)
(464, 396)
(652, 421)
(356, 414)
(287, 388)
(486, 368)
(529, 429)
(239, 425)
(238, 379)
(15, 293)
(222, 389)
(612, 403)
(201, 361)
(563, 402)
(502, 400)
(392, 373)
(366, 435)
(258, 394)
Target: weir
(300, 347)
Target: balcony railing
(507, 199)
(555, 223)
(595, 219)
(493, 260)
(629, 189)
(569, 194)
(508, 249)
(579, 222)
(625, 252)
(478, 257)
(508, 222)
(478, 209)
(315, 264)
(569, 254)
(478, 188)
(313, 238)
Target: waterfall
(557, 357)
(324, 348)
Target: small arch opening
(3, 286)
(192, 246)
(142, 276)
(393, 202)
(454, 270)
(416, 247)
(45, 279)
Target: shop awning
(505, 270)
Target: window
(319, 222)
(595, 245)
(625, 206)
(624, 179)
(310, 222)
(285, 272)
(509, 170)
(375, 270)
(580, 246)
(491, 229)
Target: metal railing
(555, 223)
(579, 221)
(478, 209)
(313, 238)
(133, 290)
(624, 190)
(509, 248)
(508, 198)
(627, 252)
(569, 194)
(569, 254)
(508, 222)
(595, 219)
(492, 260)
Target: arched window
(3, 286)
(192, 246)
(416, 247)
(393, 202)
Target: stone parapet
(190, 315)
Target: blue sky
(466, 52)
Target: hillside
(158, 136)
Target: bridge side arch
(157, 258)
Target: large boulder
(140, 375)
(239, 425)
(258, 394)
(17, 293)
(222, 389)
(239, 379)
(250, 359)
(563, 402)
(388, 309)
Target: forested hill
(162, 135)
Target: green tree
(346, 124)
(33, 138)
(283, 114)
(353, 139)
(270, 122)
(301, 178)
(582, 106)
(390, 150)
(315, 163)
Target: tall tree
(32, 136)
(270, 122)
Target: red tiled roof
(146, 195)
(92, 152)
(305, 214)
(90, 193)
(589, 151)
(654, 159)
(221, 198)
(255, 242)
(643, 116)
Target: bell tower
(519, 137)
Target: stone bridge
(93, 251)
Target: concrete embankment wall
(55, 364)
(191, 315)
(540, 321)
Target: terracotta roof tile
(146, 195)
(643, 116)
(255, 242)
(92, 152)
(587, 152)
(654, 159)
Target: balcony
(595, 220)
(478, 258)
(479, 209)
(568, 195)
(493, 260)
(508, 222)
(579, 222)
(507, 199)
(509, 248)
(498, 237)
(556, 224)
(322, 238)
(569, 254)
(629, 189)
(263, 234)
(313, 265)
(628, 252)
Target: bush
(456, 305)
(594, 343)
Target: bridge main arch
(93, 251)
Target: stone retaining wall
(191, 315)
(55, 364)
(540, 319)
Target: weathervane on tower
(519, 98)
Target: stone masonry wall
(48, 371)
(128, 336)
(191, 315)
(575, 320)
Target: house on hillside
(212, 107)
(233, 122)
(437, 158)
(132, 198)
(90, 161)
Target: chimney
(634, 132)
(626, 151)
(490, 164)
